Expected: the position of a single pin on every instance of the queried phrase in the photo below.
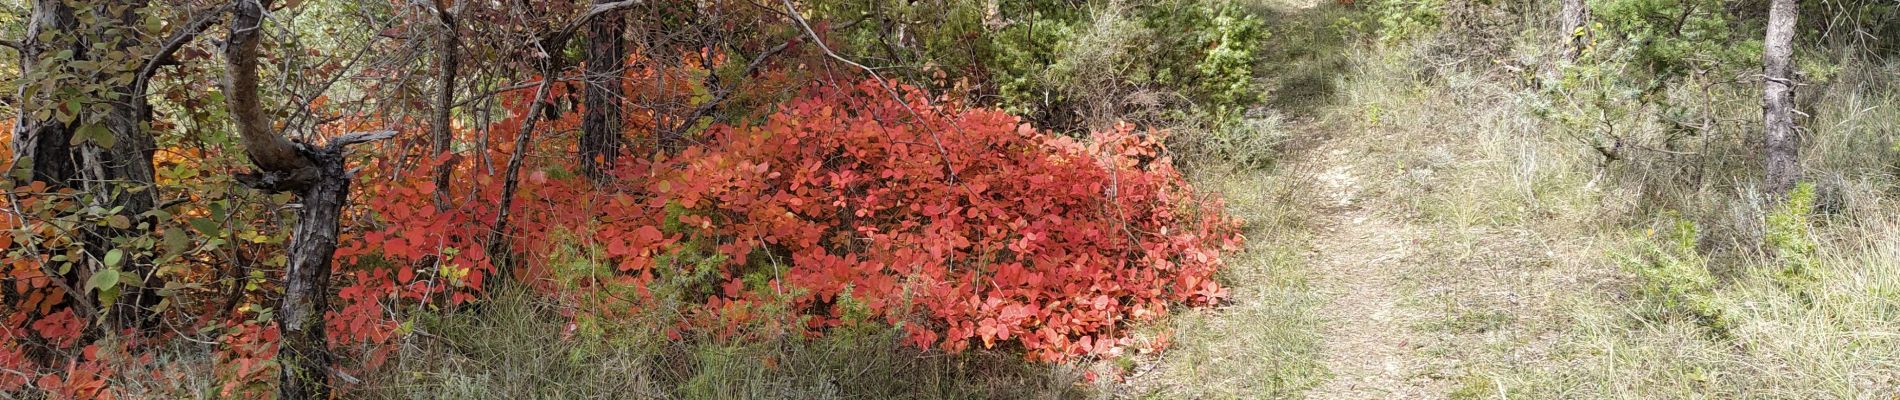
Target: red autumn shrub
(964, 226)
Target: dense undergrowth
(823, 218)
(1005, 232)
(957, 228)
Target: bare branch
(178, 40)
(340, 142)
(559, 37)
(15, 45)
(792, 12)
(719, 99)
(751, 69)
(509, 88)
(597, 10)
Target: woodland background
(947, 199)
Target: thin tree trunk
(122, 173)
(498, 246)
(600, 125)
(1574, 20)
(551, 44)
(1781, 144)
(441, 135)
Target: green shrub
(1401, 20)
(1669, 39)
(1787, 239)
(1674, 275)
(1063, 67)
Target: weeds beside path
(1347, 289)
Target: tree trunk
(498, 246)
(41, 146)
(440, 134)
(600, 125)
(318, 178)
(1574, 22)
(281, 164)
(304, 358)
(1781, 144)
(112, 165)
(123, 171)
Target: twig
(177, 41)
(597, 10)
(509, 88)
(725, 92)
(752, 68)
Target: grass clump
(602, 339)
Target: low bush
(958, 227)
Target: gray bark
(1574, 20)
(600, 125)
(41, 146)
(1781, 143)
(281, 164)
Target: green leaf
(175, 241)
(108, 296)
(20, 172)
(113, 258)
(118, 222)
(104, 279)
(95, 133)
(69, 112)
(205, 226)
(28, 91)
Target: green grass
(513, 349)
(1266, 343)
(1532, 213)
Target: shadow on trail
(1306, 54)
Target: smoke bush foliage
(960, 226)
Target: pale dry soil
(1360, 259)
